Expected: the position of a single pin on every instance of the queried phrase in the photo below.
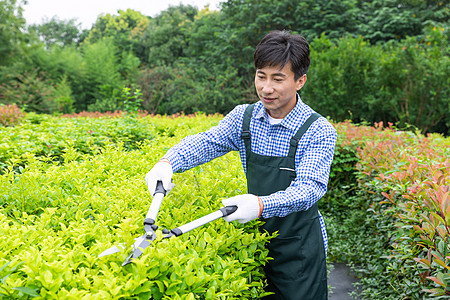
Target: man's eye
(278, 79)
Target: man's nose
(267, 88)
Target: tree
(384, 20)
(102, 69)
(58, 32)
(11, 25)
(124, 29)
(247, 21)
(166, 35)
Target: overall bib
(298, 268)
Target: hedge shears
(149, 236)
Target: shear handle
(158, 197)
(160, 188)
(223, 212)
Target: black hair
(278, 48)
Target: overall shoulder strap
(246, 127)
(298, 135)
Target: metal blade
(121, 247)
(139, 246)
(112, 250)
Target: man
(286, 151)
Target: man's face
(277, 89)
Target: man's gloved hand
(162, 170)
(249, 208)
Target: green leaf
(425, 263)
(160, 286)
(173, 287)
(436, 280)
(190, 279)
(4, 266)
(27, 290)
(441, 263)
(153, 273)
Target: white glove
(249, 208)
(162, 170)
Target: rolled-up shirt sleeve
(203, 147)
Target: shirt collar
(294, 118)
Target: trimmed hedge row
(57, 218)
(394, 228)
(50, 137)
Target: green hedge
(57, 218)
(50, 137)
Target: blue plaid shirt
(312, 160)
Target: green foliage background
(381, 60)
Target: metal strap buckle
(245, 134)
(294, 142)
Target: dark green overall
(298, 269)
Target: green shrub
(92, 71)
(341, 79)
(50, 137)
(191, 87)
(131, 101)
(63, 96)
(154, 84)
(59, 63)
(32, 91)
(342, 184)
(386, 212)
(72, 212)
(108, 99)
(102, 67)
(405, 83)
(412, 81)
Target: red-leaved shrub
(10, 115)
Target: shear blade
(112, 250)
(115, 249)
(138, 248)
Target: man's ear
(301, 82)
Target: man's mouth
(268, 99)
